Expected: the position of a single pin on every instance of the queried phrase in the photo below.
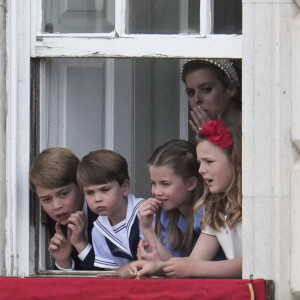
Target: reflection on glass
(227, 16)
(78, 16)
(164, 16)
(143, 95)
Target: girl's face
(108, 199)
(172, 190)
(205, 90)
(215, 167)
(60, 203)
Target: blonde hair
(102, 166)
(53, 168)
(216, 205)
(180, 156)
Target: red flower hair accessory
(217, 133)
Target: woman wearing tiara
(213, 88)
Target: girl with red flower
(219, 155)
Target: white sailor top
(116, 245)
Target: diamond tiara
(222, 63)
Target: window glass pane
(227, 16)
(78, 16)
(164, 16)
(88, 98)
(128, 105)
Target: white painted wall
(2, 132)
(17, 228)
(295, 131)
(268, 150)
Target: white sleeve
(82, 255)
(63, 269)
(208, 230)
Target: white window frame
(24, 33)
(120, 44)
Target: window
(107, 74)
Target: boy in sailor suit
(103, 176)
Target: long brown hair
(180, 156)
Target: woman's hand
(199, 118)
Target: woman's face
(208, 92)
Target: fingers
(76, 226)
(176, 267)
(58, 228)
(149, 207)
(199, 117)
(169, 269)
(136, 269)
(193, 126)
(141, 250)
(144, 243)
(57, 240)
(77, 220)
(110, 274)
(153, 246)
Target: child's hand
(147, 209)
(178, 267)
(123, 272)
(148, 251)
(141, 268)
(77, 222)
(61, 248)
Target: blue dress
(182, 226)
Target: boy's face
(108, 199)
(60, 203)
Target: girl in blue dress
(176, 186)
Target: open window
(106, 74)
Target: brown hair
(216, 205)
(180, 156)
(102, 166)
(53, 168)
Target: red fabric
(217, 133)
(74, 288)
